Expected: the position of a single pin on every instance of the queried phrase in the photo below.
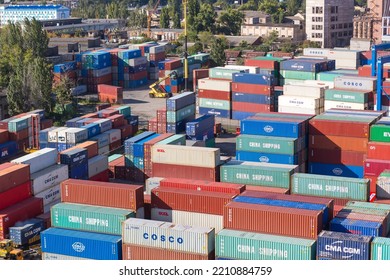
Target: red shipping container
(115, 145)
(161, 127)
(91, 115)
(117, 120)
(378, 150)
(103, 194)
(13, 176)
(374, 167)
(346, 214)
(200, 73)
(373, 180)
(136, 252)
(252, 89)
(251, 107)
(161, 115)
(152, 125)
(46, 217)
(200, 185)
(336, 157)
(112, 164)
(187, 172)
(91, 146)
(339, 128)
(157, 56)
(385, 99)
(138, 75)
(297, 198)
(3, 136)
(190, 200)
(110, 90)
(110, 98)
(6, 165)
(23, 144)
(382, 201)
(214, 94)
(101, 177)
(173, 64)
(272, 220)
(20, 135)
(364, 71)
(109, 112)
(27, 209)
(91, 120)
(337, 143)
(46, 123)
(263, 64)
(337, 209)
(15, 195)
(267, 189)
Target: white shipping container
(193, 219)
(104, 150)
(325, 84)
(383, 187)
(343, 54)
(156, 49)
(200, 240)
(183, 155)
(151, 183)
(59, 257)
(288, 109)
(105, 125)
(316, 52)
(247, 69)
(138, 61)
(61, 136)
(47, 207)
(52, 135)
(221, 85)
(344, 105)
(114, 135)
(355, 83)
(101, 72)
(300, 102)
(347, 64)
(304, 90)
(76, 135)
(97, 164)
(49, 177)
(39, 160)
(50, 195)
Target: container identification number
(232, 270)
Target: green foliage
(164, 18)
(361, 3)
(137, 19)
(175, 12)
(193, 9)
(229, 22)
(205, 38)
(310, 44)
(62, 91)
(293, 6)
(204, 20)
(270, 7)
(218, 47)
(251, 5)
(197, 47)
(288, 47)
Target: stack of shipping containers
(180, 109)
(201, 131)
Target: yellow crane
(149, 15)
(157, 91)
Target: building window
(340, 34)
(317, 19)
(340, 25)
(332, 26)
(333, 18)
(333, 34)
(350, 32)
(317, 10)
(350, 25)
(345, 25)
(316, 35)
(345, 33)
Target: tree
(251, 5)
(35, 37)
(164, 18)
(205, 20)
(41, 89)
(310, 44)
(288, 47)
(193, 9)
(196, 48)
(293, 6)
(270, 7)
(218, 47)
(63, 93)
(205, 38)
(229, 22)
(175, 12)
(137, 19)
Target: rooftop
(34, 7)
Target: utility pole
(185, 47)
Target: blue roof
(34, 7)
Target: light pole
(185, 47)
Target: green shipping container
(89, 218)
(243, 245)
(268, 58)
(223, 73)
(359, 97)
(373, 206)
(177, 139)
(380, 248)
(183, 113)
(210, 143)
(114, 157)
(331, 186)
(266, 144)
(328, 76)
(124, 110)
(214, 103)
(18, 124)
(258, 174)
(380, 133)
(297, 75)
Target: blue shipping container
(216, 112)
(8, 149)
(253, 98)
(177, 127)
(79, 171)
(254, 79)
(356, 227)
(82, 244)
(26, 232)
(52, 145)
(129, 143)
(128, 54)
(132, 120)
(200, 125)
(138, 147)
(62, 147)
(44, 134)
(93, 129)
(180, 101)
(237, 115)
(287, 204)
(138, 68)
(203, 135)
(72, 122)
(279, 128)
(336, 170)
(304, 65)
(102, 140)
(65, 67)
(74, 157)
(267, 157)
(343, 246)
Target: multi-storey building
(329, 22)
(17, 13)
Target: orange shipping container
(338, 142)
(13, 176)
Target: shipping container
(380, 248)
(262, 174)
(338, 143)
(15, 194)
(273, 127)
(300, 102)
(296, 159)
(216, 112)
(26, 232)
(76, 135)
(181, 238)
(81, 244)
(89, 218)
(12, 175)
(336, 157)
(345, 105)
(383, 185)
(242, 245)
(342, 170)
(97, 165)
(181, 114)
(50, 195)
(253, 98)
(282, 221)
(356, 227)
(38, 160)
(214, 94)
(134, 252)
(130, 143)
(215, 103)
(380, 133)
(360, 97)
(60, 257)
(49, 177)
(102, 194)
(375, 167)
(102, 140)
(353, 215)
(356, 83)
(215, 85)
(330, 186)
(113, 134)
(180, 101)
(378, 150)
(73, 157)
(190, 218)
(304, 65)
(366, 205)
(186, 172)
(304, 90)
(23, 210)
(343, 246)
